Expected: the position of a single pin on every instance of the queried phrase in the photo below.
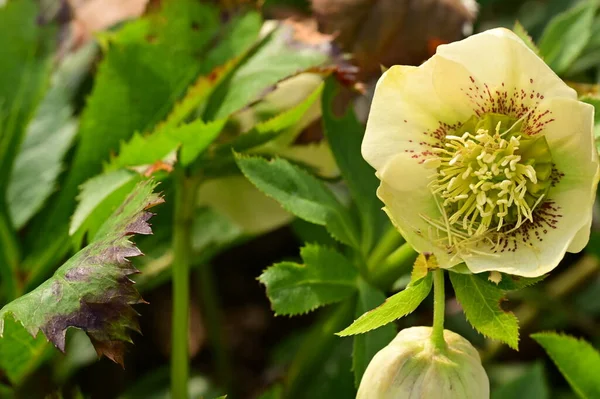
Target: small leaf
(91, 291)
(345, 137)
(523, 35)
(325, 277)
(422, 266)
(367, 345)
(301, 194)
(480, 301)
(576, 359)
(532, 384)
(566, 35)
(396, 306)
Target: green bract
(485, 157)
(410, 367)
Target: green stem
(394, 266)
(390, 241)
(213, 322)
(439, 304)
(185, 200)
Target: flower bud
(410, 367)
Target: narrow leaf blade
(396, 306)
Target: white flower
(485, 157)
(410, 367)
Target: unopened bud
(411, 367)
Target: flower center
(490, 176)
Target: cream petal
(404, 191)
(406, 115)
(499, 59)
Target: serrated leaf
(512, 283)
(301, 194)
(345, 137)
(576, 359)
(193, 138)
(367, 345)
(47, 138)
(532, 384)
(277, 57)
(325, 277)
(480, 301)
(91, 291)
(524, 35)
(566, 35)
(395, 307)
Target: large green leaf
(367, 345)
(396, 306)
(91, 291)
(480, 300)
(566, 35)
(301, 194)
(345, 137)
(576, 359)
(24, 73)
(47, 138)
(325, 277)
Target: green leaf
(576, 359)
(396, 306)
(367, 345)
(24, 73)
(523, 35)
(480, 301)
(20, 354)
(566, 35)
(47, 139)
(512, 283)
(193, 138)
(91, 290)
(345, 137)
(277, 57)
(595, 101)
(301, 194)
(325, 277)
(532, 384)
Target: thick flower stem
(390, 241)
(439, 304)
(185, 200)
